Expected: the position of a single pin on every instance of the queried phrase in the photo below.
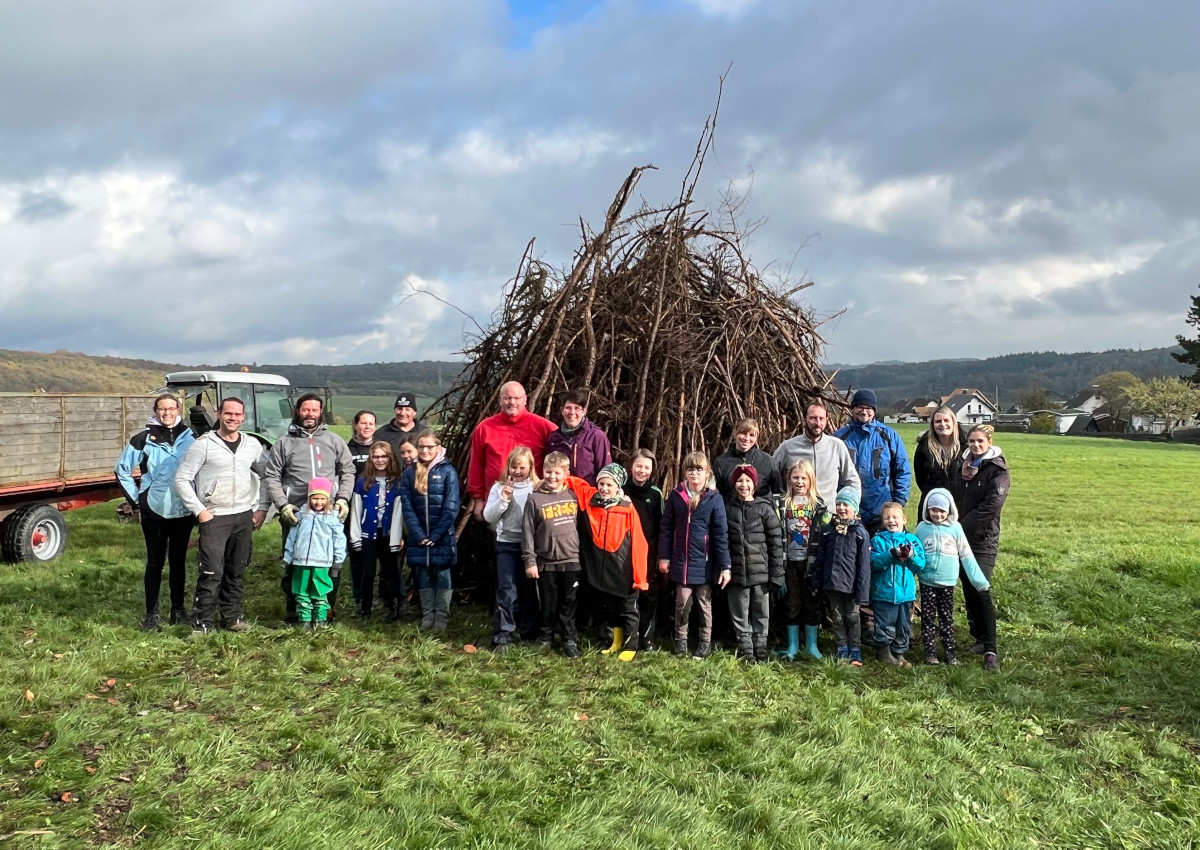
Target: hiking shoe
(932, 660)
(856, 658)
(238, 625)
(500, 648)
(951, 659)
(179, 617)
(703, 650)
(153, 622)
(306, 626)
(990, 662)
(681, 647)
(977, 648)
(571, 650)
(842, 655)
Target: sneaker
(977, 648)
(951, 659)
(932, 660)
(500, 648)
(703, 650)
(544, 643)
(570, 650)
(153, 622)
(201, 629)
(856, 658)
(306, 626)
(681, 647)
(179, 617)
(990, 662)
(649, 646)
(842, 655)
(238, 625)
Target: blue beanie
(848, 496)
(939, 499)
(866, 398)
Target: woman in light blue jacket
(166, 521)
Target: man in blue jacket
(880, 458)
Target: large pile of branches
(663, 322)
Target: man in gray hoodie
(829, 456)
(308, 450)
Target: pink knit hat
(320, 485)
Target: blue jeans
(893, 625)
(431, 578)
(516, 597)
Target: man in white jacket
(829, 456)
(219, 482)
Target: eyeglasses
(422, 448)
(172, 409)
(696, 469)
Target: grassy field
(345, 406)
(378, 736)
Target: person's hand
(724, 578)
(426, 542)
(906, 551)
(531, 573)
(477, 509)
(895, 553)
(506, 491)
(343, 509)
(257, 519)
(288, 512)
(781, 591)
(664, 567)
(205, 516)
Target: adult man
(829, 456)
(404, 425)
(880, 458)
(745, 450)
(496, 436)
(308, 450)
(584, 444)
(219, 482)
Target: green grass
(377, 736)
(345, 406)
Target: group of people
(812, 534)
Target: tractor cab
(268, 399)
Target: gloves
(781, 591)
(895, 553)
(288, 512)
(343, 509)
(906, 551)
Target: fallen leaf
(57, 656)
(121, 777)
(89, 770)
(581, 717)
(113, 701)
(353, 653)
(263, 765)
(67, 797)
(110, 682)
(143, 712)
(28, 642)
(28, 695)
(38, 763)
(470, 649)
(90, 696)
(129, 684)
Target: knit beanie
(614, 471)
(865, 398)
(320, 485)
(743, 469)
(938, 500)
(848, 496)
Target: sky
(298, 181)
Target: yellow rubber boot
(618, 642)
(627, 655)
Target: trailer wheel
(34, 533)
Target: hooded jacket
(318, 540)
(946, 550)
(507, 519)
(892, 580)
(696, 542)
(213, 477)
(843, 562)
(375, 513)
(551, 534)
(431, 516)
(612, 547)
(980, 500)
(156, 452)
(769, 479)
(587, 447)
(830, 459)
(648, 500)
(360, 453)
(755, 542)
(882, 464)
(299, 457)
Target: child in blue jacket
(947, 553)
(316, 544)
(895, 554)
(842, 568)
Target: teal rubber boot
(810, 642)
(793, 647)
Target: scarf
(841, 526)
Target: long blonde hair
(813, 495)
(421, 484)
(696, 460)
(941, 454)
(517, 454)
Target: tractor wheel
(34, 533)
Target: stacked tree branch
(663, 321)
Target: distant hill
(1014, 374)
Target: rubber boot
(793, 647)
(810, 641)
(618, 641)
(883, 654)
(441, 610)
(426, 594)
(745, 649)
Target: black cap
(406, 400)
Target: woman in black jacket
(936, 459)
(980, 487)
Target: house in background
(1087, 399)
(970, 406)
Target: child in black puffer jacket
(842, 569)
(756, 550)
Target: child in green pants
(314, 546)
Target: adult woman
(936, 459)
(360, 443)
(980, 486)
(166, 521)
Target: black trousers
(377, 558)
(166, 542)
(613, 611)
(981, 611)
(559, 591)
(226, 544)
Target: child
(505, 513)
(550, 547)
(693, 545)
(408, 454)
(647, 500)
(946, 551)
(803, 515)
(316, 544)
(756, 552)
(895, 555)
(377, 531)
(613, 551)
(842, 568)
(429, 495)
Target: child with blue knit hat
(842, 568)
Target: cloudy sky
(266, 180)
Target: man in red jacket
(496, 436)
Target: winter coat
(843, 562)
(507, 519)
(299, 457)
(376, 513)
(755, 542)
(587, 448)
(980, 500)
(802, 528)
(494, 438)
(318, 540)
(882, 463)
(648, 500)
(213, 477)
(394, 437)
(830, 458)
(769, 480)
(696, 542)
(156, 452)
(928, 472)
(612, 547)
(892, 580)
(946, 550)
(431, 516)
